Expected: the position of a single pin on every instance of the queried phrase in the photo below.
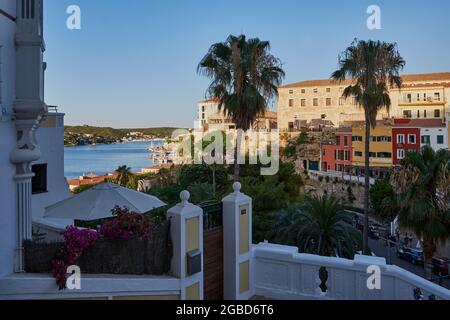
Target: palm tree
(318, 225)
(124, 175)
(215, 144)
(423, 187)
(244, 78)
(373, 66)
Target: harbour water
(105, 158)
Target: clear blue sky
(133, 63)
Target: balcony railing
(381, 160)
(52, 109)
(283, 273)
(421, 101)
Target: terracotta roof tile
(421, 85)
(208, 101)
(91, 179)
(160, 166)
(344, 130)
(419, 123)
(439, 76)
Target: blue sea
(103, 159)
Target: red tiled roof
(384, 122)
(419, 123)
(90, 180)
(159, 167)
(209, 101)
(439, 76)
(422, 85)
(436, 76)
(344, 130)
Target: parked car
(440, 266)
(414, 256)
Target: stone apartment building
(423, 96)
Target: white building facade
(205, 109)
(54, 188)
(8, 210)
(32, 138)
(436, 137)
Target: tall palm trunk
(214, 179)
(366, 188)
(428, 251)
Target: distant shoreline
(106, 144)
(87, 135)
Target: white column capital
(185, 208)
(237, 196)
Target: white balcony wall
(280, 272)
(108, 287)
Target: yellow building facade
(380, 145)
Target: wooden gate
(213, 250)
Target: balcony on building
(315, 125)
(53, 118)
(422, 99)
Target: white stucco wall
(211, 108)
(50, 137)
(7, 141)
(433, 133)
(42, 286)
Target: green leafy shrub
(382, 198)
(194, 174)
(267, 195)
(82, 188)
(170, 194)
(200, 192)
(316, 225)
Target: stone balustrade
(280, 272)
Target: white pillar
(186, 230)
(26, 151)
(29, 109)
(237, 241)
(23, 183)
